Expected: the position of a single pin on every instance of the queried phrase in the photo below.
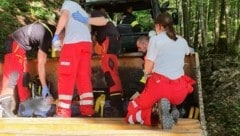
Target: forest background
(211, 27)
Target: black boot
(8, 104)
(116, 105)
(175, 113)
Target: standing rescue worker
(35, 36)
(108, 39)
(75, 59)
(166, 81)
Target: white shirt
(75, 31)
(167, 55)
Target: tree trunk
(216, 22)
(185, 19)
(222, 44)
(236, 43)
(201, 24)
(205, 35)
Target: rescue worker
(166, 81)
(142, 44)
(75, 59)
(109, 40)
(129, 18)
(35, 36)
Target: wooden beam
(92, 127)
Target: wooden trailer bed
(107, 126)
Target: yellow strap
(134, 23)
(114, 94)
(193, 113)
(46, 27)
(190, 116)
(196, 114)
(39, 90)
(100, 102)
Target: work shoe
(7, 104)
(175, 114)
(111, 112)
(166, 119)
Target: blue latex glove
(45, 91)
(55, 38)
(56, 44)
(79, 17)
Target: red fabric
(106, 58)
(145, 115)
(16, 61)
(117, 87)
(61, 112)
(158, 87)
(75, 69)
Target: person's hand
(45, 91)
(79, 17)
(56, 43)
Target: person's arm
(42, 59)
(56, 43)
(148, 67)
(62, 21)
(97, 21)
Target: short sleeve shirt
(167, 55)
(75, 31)
(33, 36)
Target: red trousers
(75, 69)
(15, 62)
(158, 87)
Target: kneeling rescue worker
(166, 81)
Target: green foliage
(16, 13)
(145, 19)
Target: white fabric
(130, 119)
(64, 105)
(65, 97)
(139, 117)
(86, 95)
(134, 104)
(75, 31)
(86, 102)
(167, 55)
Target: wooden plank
(92, 127)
